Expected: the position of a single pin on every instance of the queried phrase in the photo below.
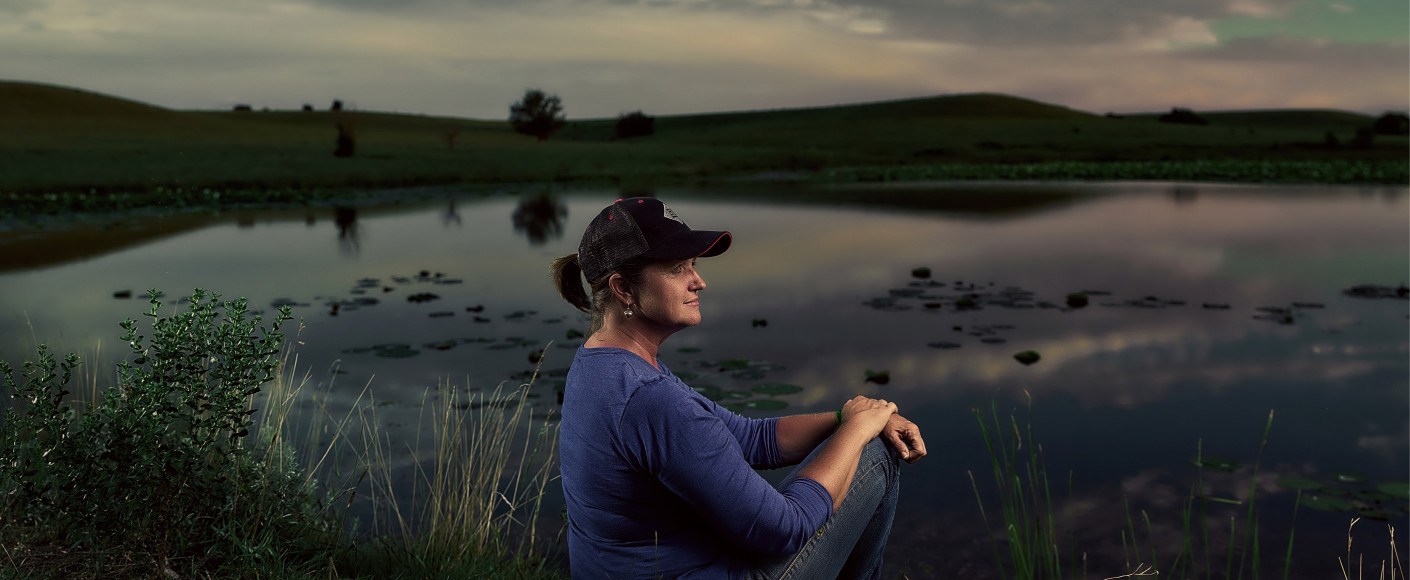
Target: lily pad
(711, 392)
(765, 404)
(1326, 503)
(1349, 478)
(736, 395)
(776, 389)
(1215, 463)
(1077, 300)
(921, 272)
(1302, 483)
(397, 352)
(686, 376)
(878, 377)
(737, 364)
(1398, 489)
(1027, 357)
(943, 344)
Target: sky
(603, 58)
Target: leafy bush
(538, 114)
(159, 466)
(1182, 116)
(636, 124)
(1392, 124)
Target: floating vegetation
(1398, 489)
(1373, 291)
(765, 405)
(921, 272)
(735, 394)
(574, 333)
(943, 345)
(737, 364)
(441, 314)
(1326, 503)
(520, 314)
(877, 377)
(395, 351)
(776, 389)
(1027, 357)
(1349, 478)
(535, 356)
(993, 340)
(1298, 483)
(442, 345)
(1077, 300)
(282, 302)
(711, 392)
(687, 350)
(421, 297)
(1215, 463)
(758, 322)
(122, 294)
(1215, 306)
(475, 308)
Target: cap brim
(691, 244)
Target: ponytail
(568, 279)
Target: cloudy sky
(473, 58)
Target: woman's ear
(621, 289)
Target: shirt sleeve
(696, 455)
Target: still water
(1207, 307)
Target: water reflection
(1126, 388)
(348, 232)
(540, 217)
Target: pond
(1168, 320)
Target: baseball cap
(642, 226)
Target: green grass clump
(156, 476)
(172, 471)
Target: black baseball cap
(642, 226)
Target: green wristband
(839, 416)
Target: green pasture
(68, 144)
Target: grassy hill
(57, 139)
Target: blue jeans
(850, 543)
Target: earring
(627, 313)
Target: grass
(472, 509)
(1031, 543)
(63, 149)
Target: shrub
(1392, 124)
(157, 469)
(1182, 116)
(636, 124)
(538, 114)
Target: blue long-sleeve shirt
(660, 480)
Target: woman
(659, 480)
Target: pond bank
(164, 199)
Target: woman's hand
(904, 437)
(867, 416)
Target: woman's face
(670, 293)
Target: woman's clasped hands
(874, 417)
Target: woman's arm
(798, 435)
(833, 468)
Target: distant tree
(1392, 124)
(337, 106)
(1182, 116)
(1364, 138)
(1331, 141)
(242, 108)
(538, 114)
(308, 108)
(636, 124)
